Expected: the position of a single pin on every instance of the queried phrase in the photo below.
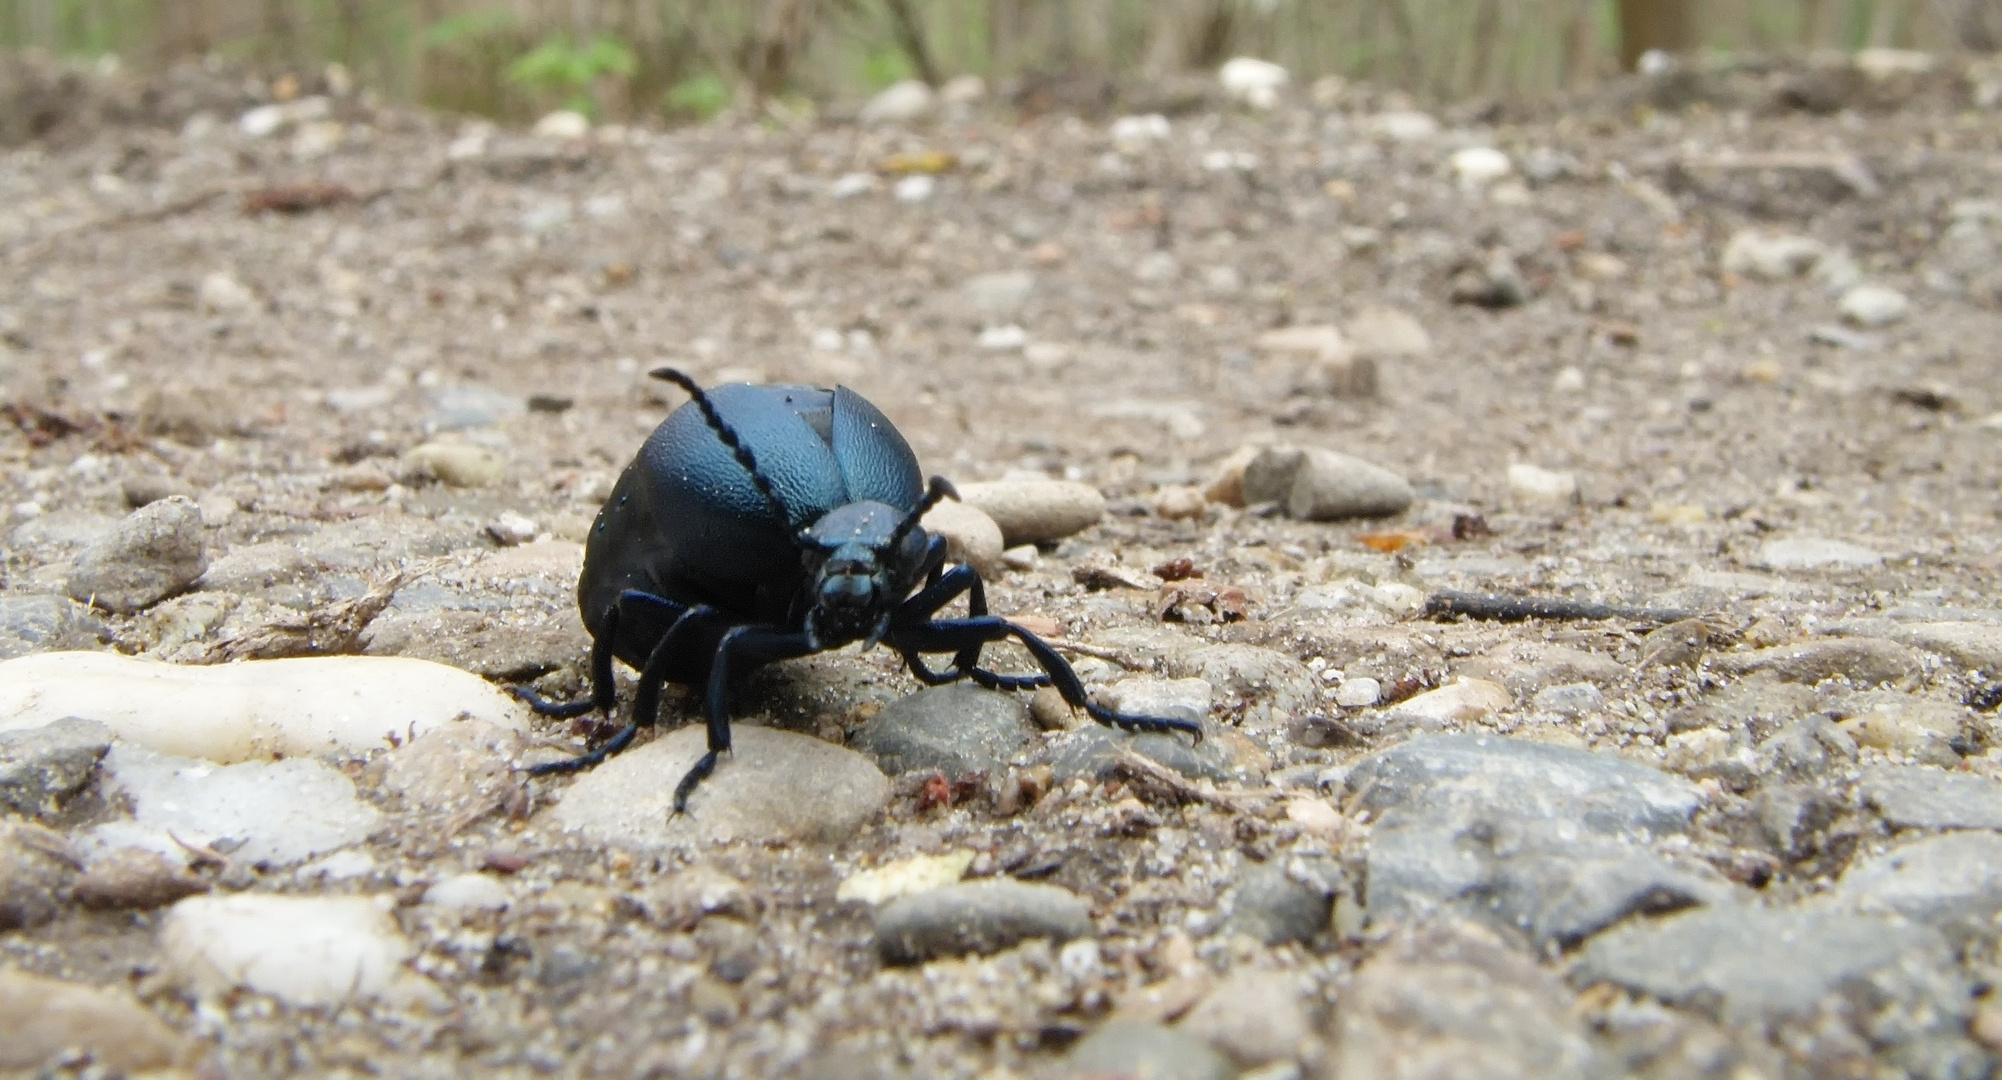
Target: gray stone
(774, 787)
(1131, 1048)
(1863, 661)
(956, 730)
(1091, 750)
(1806, 748)
(1602, 793)
(36, 871)
(1265, 687)
(1793, 817)
(1951, 882)
(257, 566)
(1036, 511)
(157, 551)
(41, 767)
(31, 623)
(1450, 1002)
(1915, 797)
(1281, 902)
(977, 917)
(1254, 1016)
(1321, 485)
(456, 408)
(1570, 699)
(1976, 645)
(1761, 969)
(1001, 294)
(1815, 553)
(62, 530)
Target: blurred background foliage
(688, 59)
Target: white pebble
(1358, 693)
(511, 528)
(563, 124)
(904, 877)
(1874, 305)
(1478, 166)
(305, 951)
(1009, 338)
(468, 892)
(275, 812)
(1462, 700)
(1132, 134)
(1252, 82)
(1536, 484)
(250, 710)
(914, 189)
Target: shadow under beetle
(762, 523)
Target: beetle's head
(858, 558)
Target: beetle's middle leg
(604, 696)
(919, 610)
(646, 699)
(756, 646)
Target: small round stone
(1036, 511)
(978, 917)
(157, 551)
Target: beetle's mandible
(761, 523)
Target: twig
(1098, 653)
(1136, 766)
(1497, 607)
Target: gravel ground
(325, 377)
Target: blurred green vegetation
(689, 59)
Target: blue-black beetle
(761, 523)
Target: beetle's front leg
(757, 646)
(919, 610)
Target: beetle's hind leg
(958, 636)
(646, 699)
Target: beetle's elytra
(761, 523)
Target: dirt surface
(270, 324)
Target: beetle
(763, 523)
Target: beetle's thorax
(854, 578)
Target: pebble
(305, 951)
(1494, 282)
(40, 768)
(1609, 794)
(42, 622)
(36, 871)
(222, 294)
(512, 530)
(1952, 882)
(460, 771)
(1569, 699)
(1146, 695)
(903, 877)
(1253, 82)
(1358, 693)
(1478, 166)
(1814, 553)
(562, 124)
(48, 1018)
(915, 189)
(1225, 483)
(830, 792)
(999, 295)
(971, 537)
(1321, 485)
(1134, 134)
(1036, 511)
(957, 730)
(978, 917)
(455, 464)
(252, 567)
(252, 709)
(1461, 701)
(1324, 341)
(1285, 901)
(1131, 1048)
(1773, 256)
(1266, 687)
(272, 813)
(468, 893)
(1915, 797)
(1534, 484)
(1254, 1016)
(1973, 645)
(135, 879)
(1449, 1001)
(1863, 661)
(1758, 968)
(1873, 306)
(1385, 332)
(157, 551)
(906, 102)
(1405, 125)
(1091, 750)
(1909, 727)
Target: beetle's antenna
(939, 490)
(729, 436)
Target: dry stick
(1134, 765)
(1098, 653)
(1500, 608)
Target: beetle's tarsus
(696, 773)
(542, 706)
(610, 746)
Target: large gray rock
(1893, 982)
(1952, 882)
(978, 917)
(157, 551)
(1452, 1003)
(1914, 797)
(956, 730)
(1285, 901)
(40, 767)
(36, 871)
(774, 787)
(39, 622)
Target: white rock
(914, 189)
(275, 813)
(1149, 695)
(1324, 341)
(904, 877)
(852, 184)
(1881, 63)
(1132, 134)
(1874, 305)
(1770, 255)
(1804, 553)
(962, 90)
(900, 103)
(1479, 166)
(1405, 125)
(563, 124)
(222, 293)
(1252, 82)
(249, 710)
(468, 892)
(1459, 701)
(1536, 484)
(1009, 338)
(305, 951)
(261, 121)
(1156, 268)
(1001, 293)
(1379, 331)
(971, 537)
(1358, 693)
(510, 529)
